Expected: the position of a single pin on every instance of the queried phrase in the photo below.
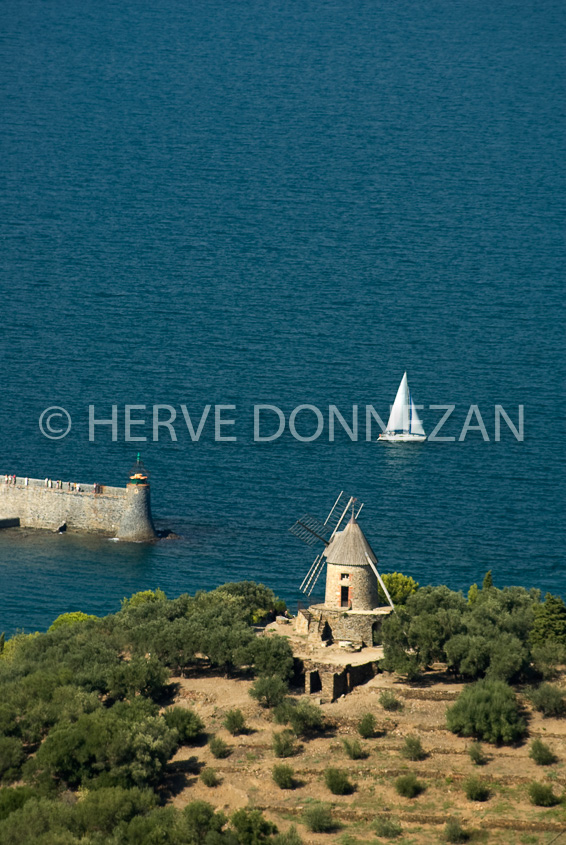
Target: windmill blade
(343, 514)
(337, 510)
(380, 579)
(309, 529)
(359, 509)
(333, 508)
(321, 567)
(319, 564)
(309, 573)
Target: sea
(236, 204)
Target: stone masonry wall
(38, 506)
(360, 581)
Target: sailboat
(404, 424)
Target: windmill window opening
(345, 576)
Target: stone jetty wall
(123, 512)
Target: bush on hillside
(389, 701)
(408, 786)
(366, 726)
(487, 710)
(284, 744)
(454, 832)
(14, 797)
(269, 690)
(386, 828)
(219, 748)
(337, 781)
(399, 587)
(209, 777)
(188, 725)
(548, 700)
(306, 719)
(252, 827)
(234, 722)
(318, 818)
(72, 618)
(476, 790)
(412, 749)
(273, 656)
(541, 754)
(477, 755)
(542, 795)
(354, 750)
(12, 755)
(290, 837)
(126, 745)
(283, 776)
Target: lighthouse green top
(138, 474)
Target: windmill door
(344, 596)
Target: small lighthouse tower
(352, 611)
(137, 522)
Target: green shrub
(386, 828)
(454, 832)
(291, 837)
(12, 756)
(188, 725)
(354, 750)
(306, 718)
(476, 790)
(487, 710)
(124, 745)
(102, 809)
(269, 690)
(273, 656)
(234, 722)
(283, 776)
(547, 658)
(252, 828)
(389, 701)
(282, 712)
(366, 726)
(337, 781)
(70, 619)
(14, 797)
(209, 777)
(284, 744)
(477, 755)
(412, 749)
(542, 795)
(541, 753)
(218, 748)
(399, 587)
(408, 786)
(548, 700)
(318, 818)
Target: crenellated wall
(123, 512)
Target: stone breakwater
(123, 512)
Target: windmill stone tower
(350, 580)
(351, 612)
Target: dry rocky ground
(507, 817)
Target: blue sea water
(235, 203)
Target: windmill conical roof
(350, 547)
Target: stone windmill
(351, 611)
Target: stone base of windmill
(350, 628)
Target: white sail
(416, 424)
(399, 416)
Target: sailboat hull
(401, 437)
